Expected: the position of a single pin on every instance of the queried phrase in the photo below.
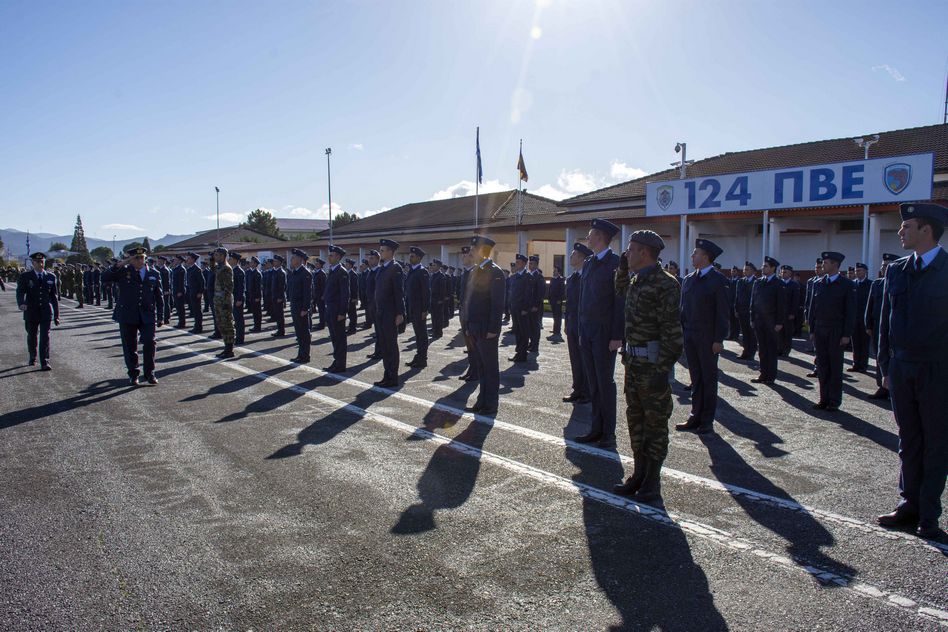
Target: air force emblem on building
(897, 177)
(666, 194)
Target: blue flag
(480, 171)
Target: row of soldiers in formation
(627, 305)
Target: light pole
(682, 148)
(866, 144)
(217, 192)
(113, 245)
(329, 188)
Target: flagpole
(520, 189)
(477, 178)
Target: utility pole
(329, 188)
(866, 144)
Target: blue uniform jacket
(704, 306)
(483, 309)
(599, 305)
(139, 300)
(337, 291)
(41, 297)
(417, 293)
(388, 286)
(833, 305)
(195, 282)
(299, 289)
(572, 303)
(240, 282)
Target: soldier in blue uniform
(577, 258)
(87, 284)
(705, 319)
(179, 291)
(871, 321)
(817, 274)
(266, 287)
(537, 294)
(472, 373)
(484, 308)
(742, 307)
(390, 312)
(165, 273)
(734, 331)
(860, 337)
(601, 331)
(209, 287)
(138, 312)
(278, 295)
(791, 304)
(195, 285)
(768, 307)
(353, 313)
(369, 279)
(254, 286)
(38, 299)
(439, 297)
(832, 319)
(337, 306)
(557, 294)
(299, 291)
(520, 301)
(238, 263)
(418, 303)
(319, 292)
(913, 345)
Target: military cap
(671, 263)
(787, 266)
(713, 250)
(480, 240)
(819, 259)
(521, 257)
(889, 257)
(36, 256)
(235, 255)
(136, 252)
(390, 243)
(320, 261)
(151, 260)
(193, 255)
(437, 262)
(607, 227)
(337, 250)
(179, 257)
(365, 262)
(415, 250)
(716, 265)
(862, 265)
(374, 253)
(350, 261)
(583, 248)
(299, 253)
(279, 258)
(926, 210)
(771, 262)
(535, 258)
(734, 268)
(648, 238)
(465, 250)
(253, 259)
(834, 256)
(162, 258)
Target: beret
(862, 265)
(605, 226)
(672, 263)
(480, 240)
(718, 265)
(838, 257)
(415, 250)
(771, 261)
(162, 258)
(648, 238)
(337, 250)
(926, 210)
(299, 253)
(465, 250)
(582, 248)
(37, 256)
(390, 243)
(888, 256)
(709, 247)
(521, 257)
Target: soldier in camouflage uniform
(80, 289)
(224, 300)
(653, 343)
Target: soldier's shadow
(92, 394)
(277, 399)
(232, 386)
(765, 440)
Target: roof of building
(916, 140)
(298, 225)
(230, 234)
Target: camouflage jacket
(652, 312)
(224, 282)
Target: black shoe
(820, 406)
(32, 361)
(133, 381)
(180, 326)
(832, 408)
(634, 482)
(386, 383)
(591, 437)
(476, 408)
(374, 356)
(931, 532)
(196, 331)
(317, 328)
(881, 393)
(899, 519)
(707, 428)
(759, 380)
(45, 367)
(412, 362)
(335, 369)
(152, 380)
(651, 491)
(257, 330)
(853, 369)
(572, 397)
(689, 426)
(812, 374)
(518, 359)
(420, 364)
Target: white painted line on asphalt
(691, 527)
(693, 479)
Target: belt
(636, 352)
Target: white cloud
(893, 72)
(550, 191)
(122, 227)
(228, 217)
(357, 146)
(466, 187)
(375, 212)
(572, 182)
(300, 211)
(623, 172)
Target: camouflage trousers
(224, 313)
(647, 413)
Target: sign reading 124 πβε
(877, 181)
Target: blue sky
(131, 112)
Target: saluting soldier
(705, 321)
(652, 344)
(537, 294)
(871, 321)
(832, 319)
(600, 332)
(278, 295)
(439, 296)
(520, 301)
(577, 258)
(557, 294)
(299, 290)
(195, 284)
(484, 308)
(239, 265)
(860, 337)
(742, 306)
(418, 303)
(254, 281)
(389, 301)
(768, 306)
(913, 345)
(179, 290)
(138, 311)
(38, 299)
(337, 306)
(319, 291)
(165, 273)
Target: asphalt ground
(255, 493)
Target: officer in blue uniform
(705, 320)
(744, 289)
(299, 291)
(138, 312)
(832, 319)
(871, 322)
(254, 283)
(521, 299)
(577, 258)
(179, 290)
(734, 331)
(266, 287)
(472, 373)
(195, 285)
(165, 273)
(768, 306)
(278, 295)
(556, 295)
(238, 263)
(791, 305)
(913, 345)
(601, 331)
(860, 337)
(390, 312)
(353, 313)
(370, 276)
(439, 298)
(418, 303)
(38, 299)
(336, 299)
(484, 309)
(537, 294)
(319, 292)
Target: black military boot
(228, 351)
(650, 492)
(634, 482)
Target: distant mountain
(15, 241)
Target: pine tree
(146, 245)
(79, 245)
(262, 221)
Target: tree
(160, 247)
(58, 245)
(341, 219)
(146, 245)
(262, 221)
(79, 245)
(102, 253)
